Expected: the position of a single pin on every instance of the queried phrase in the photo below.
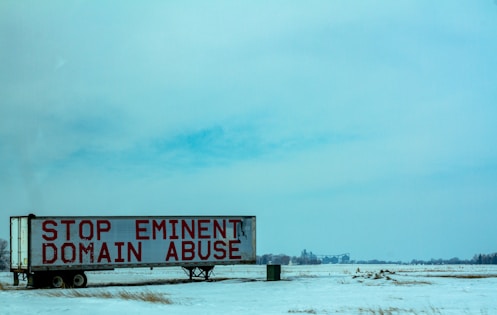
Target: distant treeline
(305, 258)
(485, 259)
(308, 258)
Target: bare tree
(4, 255)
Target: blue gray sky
(366, 127)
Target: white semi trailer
(56, 251)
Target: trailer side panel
(92, 243)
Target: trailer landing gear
(16, 278)
(198, 272)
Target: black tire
(79, 280)
(57, 281)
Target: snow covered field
(323, 289)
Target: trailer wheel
(79, 280)
(57, 281)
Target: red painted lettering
(187, 250)
(119, 246)
(157, 227)
(219, 229)
(190, 229)
(199, 249)
(173, 223)
(102, 226)
(135, 252)
(68, 224)
(104, 253)
(203, 226)
(235, 225)
(46, 229)
(89, 234)
(220, 249)
(140, 229)
(171, 252)
(68, 253)
(86, 250)
(53, 258)
(233, 249)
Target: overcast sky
(367, 127)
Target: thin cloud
(352, 112)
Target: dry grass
(412, 282)
(306, 275)
(386, 311)
(1, 286)
(307, 311)
(145, 296)
(482, 276)
(391, 311)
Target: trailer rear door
(19, 235)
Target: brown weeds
(307, 311)
(465, 276)
(412, 282)
(145, 296)
(386, 311)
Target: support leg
(16, 279)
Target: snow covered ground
(323, 289)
